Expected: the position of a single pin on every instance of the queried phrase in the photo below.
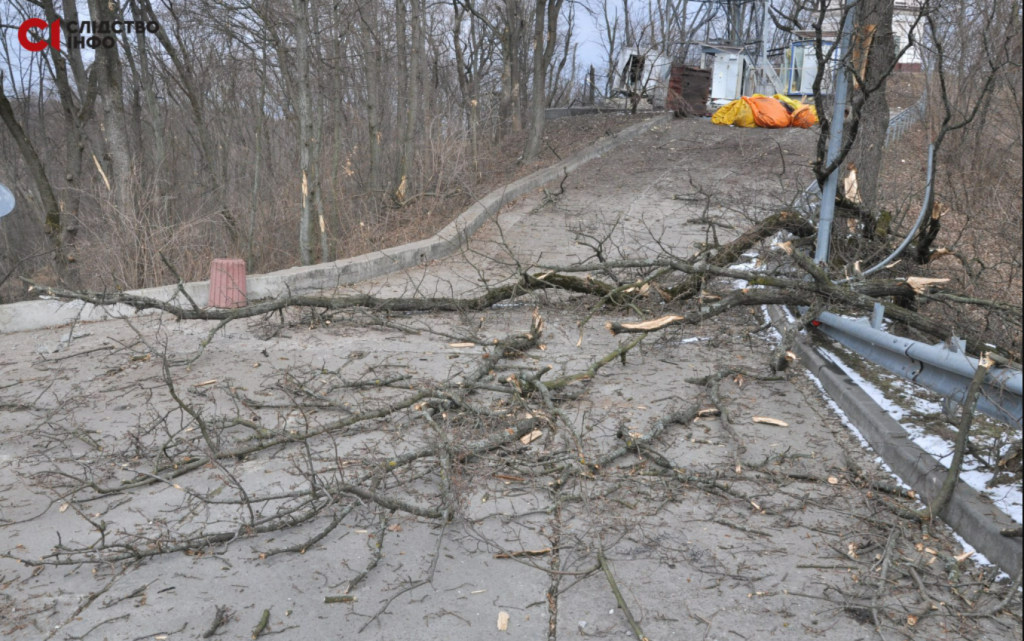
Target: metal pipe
(835, 141)
(925, 207)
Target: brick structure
(227, 283)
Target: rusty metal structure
(688, 90)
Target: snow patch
(1008, 498)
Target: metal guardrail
(944, 368)
(902, 121)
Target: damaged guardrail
(944, 368)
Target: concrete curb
(40, 314)
(978, 522)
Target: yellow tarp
(736, 113)
(792, 103)
(761, 111)
(795, 104)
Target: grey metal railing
(905, 119)
(944, 368)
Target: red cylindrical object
(227, 283)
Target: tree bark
(51, 210)
(875, 35)
(305, 109)
(545, 34)
(412, 96)
(111, 79)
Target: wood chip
(960, 558)
(205, 383)
(503, 621)
(770, 421)
(531, 437)
(461, 344)
(921, 284)
(650, 326)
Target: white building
(800, 63)
(906, 23)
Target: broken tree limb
(261, 627)
(328, 303)
(963, 434)
(782, 356)
(730, 253)
(220, 617)
(637, 630)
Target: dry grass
(120, 249)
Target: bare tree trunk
(874, 29)
(611, 28)
(372, 52)
(156, 117)
(401, 64)
(467, 79)
(74, 148)
(114, 117)
(412, 92)
(305, 109)
(51, 210)
(545, 34)
(87, 83)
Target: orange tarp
(804, 117)
(768, 112)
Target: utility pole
(835, 141)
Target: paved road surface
(752, 560)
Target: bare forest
(280, 132)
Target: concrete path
(701, 552)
